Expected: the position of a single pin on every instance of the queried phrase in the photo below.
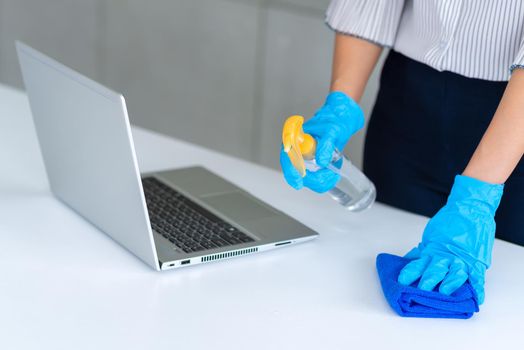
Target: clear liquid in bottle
(353, 190)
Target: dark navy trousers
(424, 129)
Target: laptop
(169, 219)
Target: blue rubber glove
(331, 126)
(457, 242)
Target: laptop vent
(228, 254)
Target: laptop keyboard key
(184, 223)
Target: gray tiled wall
(186, 67)
(221, 73)
(65, 29)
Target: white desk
(65, 285)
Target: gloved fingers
(457, 276)
(325, 149)
(413, 254)
(476, 278)
(413, 270)
(321, 180)
(319, 125)
(329, 126)
(435, 272)
(326, 134)
(291, 174)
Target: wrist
(486, 173)
(481, 193)
(350, 90)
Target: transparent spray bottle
(353, 190)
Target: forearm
(502, 145)
(353, 62)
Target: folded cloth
(409, 301)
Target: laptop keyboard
(186, 224)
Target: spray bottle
(353, 190)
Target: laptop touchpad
(238, 206)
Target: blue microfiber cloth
(409, 301)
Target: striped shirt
(481, 39)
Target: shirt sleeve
(518, 62)
(373, 20)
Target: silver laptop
(168, 219)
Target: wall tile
(67, 30)
(186, 67)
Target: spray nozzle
(297, 144)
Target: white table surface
(66, 285)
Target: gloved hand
(331, 126)
(457, 242)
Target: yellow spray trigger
(297, 144)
